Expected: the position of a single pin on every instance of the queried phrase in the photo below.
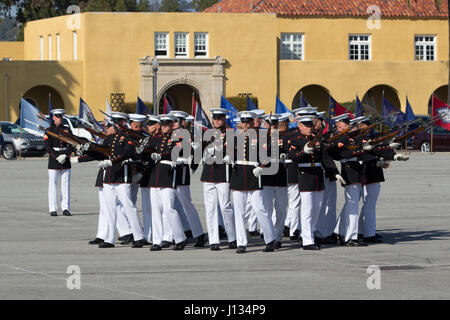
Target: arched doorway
(372, 100)
(39, 96)
(180, 97)
(441, 93)
(316, 95)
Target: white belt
(170, 163)
(309, 165)
(247, 163)
(349, 160)
(60, 149)
(183, 160)
(287, 161)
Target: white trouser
(217, 198)
(367, 218)
(259, 204)
(280, 196)
(163, 200)
(250, 217)
(182, 214)
(122, 224)
(347, 223)
(134, 192)
(311, 203)
(146, 213)
(327, 217)
(102, 229)
(113, 194)
(293, 214)
(167, 230)
(220, 215)
(184, 195)
(53, 177)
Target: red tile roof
(389, 8)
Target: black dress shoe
(188, 234)
(372, 240)
(319, 240)
(105, 245)
(96, 241)
(311, 247)
(138, 244)
(331, 240)
(253, 233)
(156, 247)
(286, 231)
(166, 244)
(270, 247)
(146, 243)
(300, 240)
(128, 240)
(355, 243)
(66, 213)
(222, 233)
(279, 245)
(360, 236)
(125, 237)
(241, 250)
(215, 247)
(180, 246)
(378, 236)
(53, 214)
(232, 245)
(201, 240)
(293, 238)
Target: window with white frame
(181, 44)
(75, 46)
(200, 44)
(50, 47)
(41, 40)
(359, 47)
(425, 47)
(58, 47)
(292, 47)
(161, 44)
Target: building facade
(231, 50)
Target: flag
(335, 109)
(50, 108)
(409, 114)
(396, 117)
(86, 114)
(32, 114)
(359, 109)
(303, 102)
(167, 106)
(250, 105)
(232, 112)
(201, 119)
(442, 109)
(281, 108)
(108, 107)
(141, 108)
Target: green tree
(170, 6)
(200, 5)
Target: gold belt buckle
(313, 164)
(245, 162)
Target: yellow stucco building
(223, 52)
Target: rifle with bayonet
(89, 127)
(418, 130)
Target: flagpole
(382, 99)
(432, 124)
(406, 141)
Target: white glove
(367, 147)
(307, 149)
(227, 159)
(104, 164)
(401, 157)
(140, 149)
(257, 172)
(74, 160)
(383, 164)
(156, 157)
(61, 159)
(195, 145)
(394, 145)
(210, 151)
(136, 178)
(340, 179)
(219, 148)
(283, 156)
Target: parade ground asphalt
(36, 250)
